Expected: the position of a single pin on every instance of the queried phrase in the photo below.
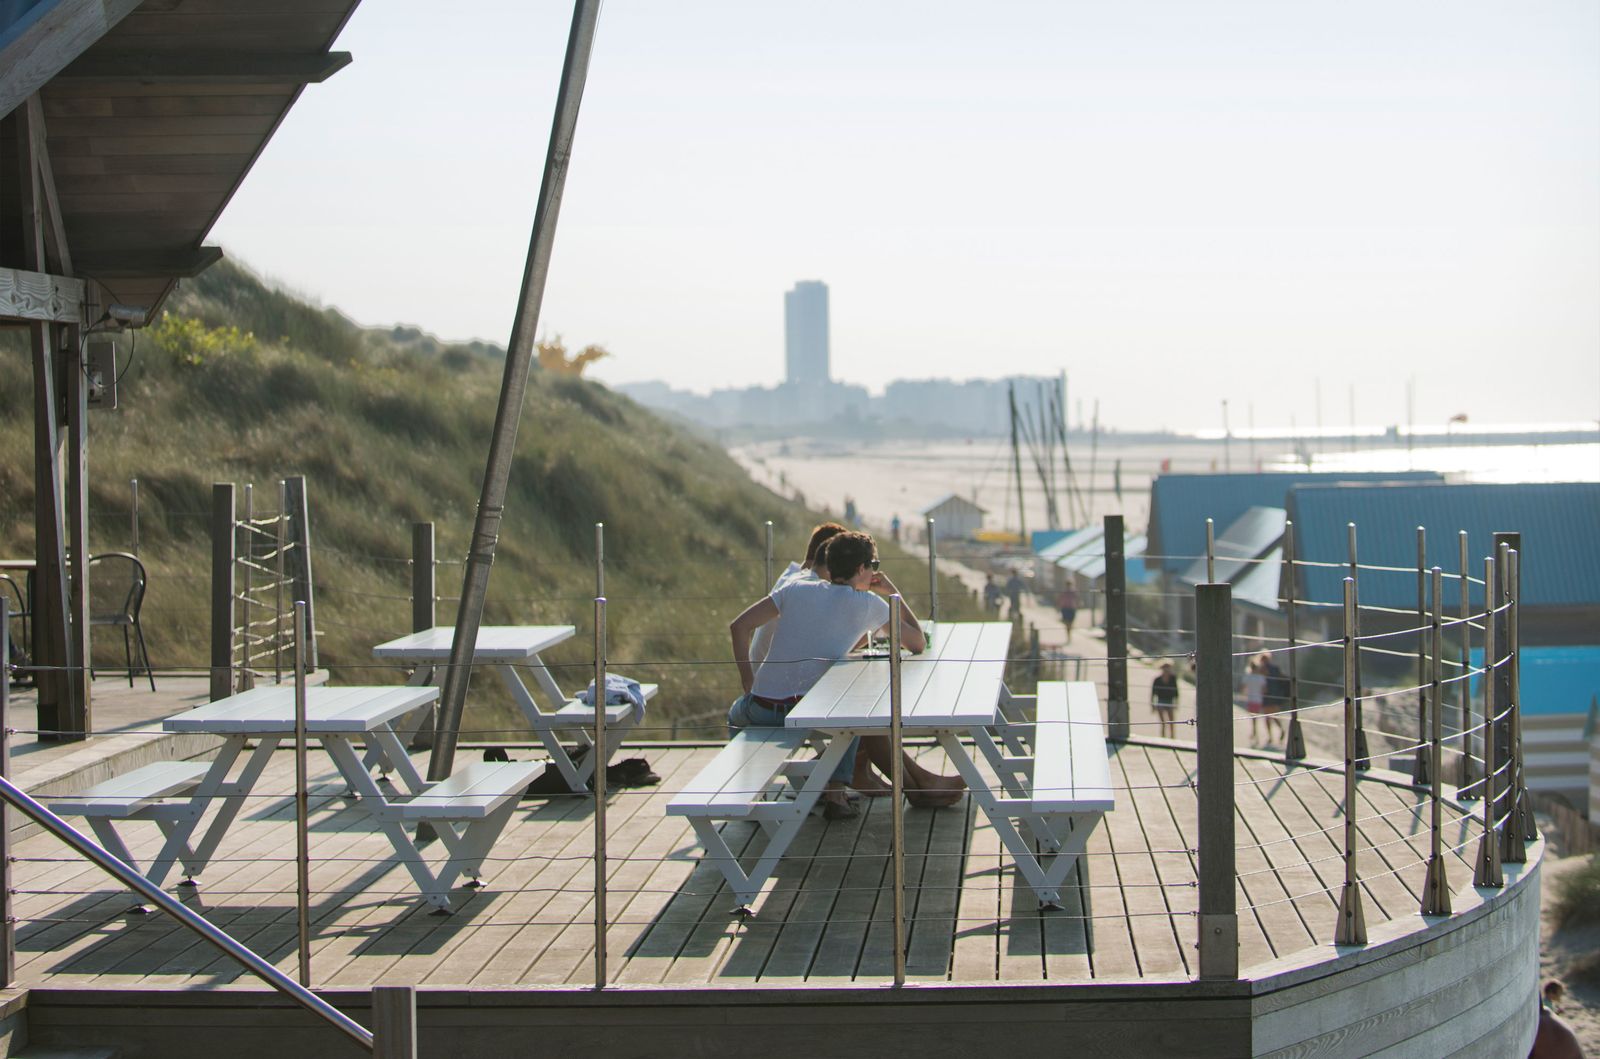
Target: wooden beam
(184, 264)
(58, 257)
(46, 38)
(216, 67)
(41, 296)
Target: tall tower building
(805, 333)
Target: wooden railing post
(1219, 921)
(223, 517)
(394, 1022)
(424, 591)
(300, 560)
(1117, 720)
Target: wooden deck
(825, 920)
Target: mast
(1016, 461)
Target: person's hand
(881, 584)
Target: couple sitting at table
(817, 613)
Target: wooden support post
(8, 929)
(1436, 886)
(1420, 759)
(50, 596)
(1467, 781)
(1351, 927)
(1117, 717)
(75, 511)
(1487, 871)
(424, 592)
(1363, 756)
(394, 1022)
(1294, 747)
(299, 559)
(222, 605)
(1219, 920)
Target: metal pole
(1363, 756)
(424, 589)
(1420, 758)
(933, 579)
(133, 513)
(767, 584)
(302, 798)
(1530, 829)
(896, 799)
(598, 756)
(222, 549)
(394, 1021)
(1294, 747)
(277, 601)
(1512, 847)
(152, 894)
(513, 387)
(248, 602)
(8, 928)
(600, 559)
(1219, 919)
(1466, 788)
(1211, 552)
(1117, 717)
(1436, 887)
(1487, 871)
(1351, 928)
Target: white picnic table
(505, 647)
(479, 799)
(1042, 805)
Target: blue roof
(1249, 537)
(1260, 585)
(1553, 679)
(1091, 563)
(1559, 523)
(1181, 503)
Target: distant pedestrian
(991, 594)
(1014, 594)
(894, 529)
(1067, 604)
(1254, 689)
(1164, 697)
(1276, 696)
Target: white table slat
(1071, 770)
(269, 710)
(495, 643)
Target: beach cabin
(954, 518)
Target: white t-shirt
(762, 639)
(1255, 687)
(817, 622)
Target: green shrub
(1577, 900)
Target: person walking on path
(1164, 698)
(1067, 604)
(991, 594)
(1254, 688)
(1014, 594)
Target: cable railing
(654, 877)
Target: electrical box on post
(100, 367)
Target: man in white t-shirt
(807, 567)
(814, 622)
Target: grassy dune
(242, 383)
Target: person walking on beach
(1164, 698)
(991, 593)
(1067, 604)
(1014, 594)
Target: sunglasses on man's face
(873, 564)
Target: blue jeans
(746, 712)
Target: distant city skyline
(1177, 204)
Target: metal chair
(116, 592)
(20, 611)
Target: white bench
(743, 782)
(572, 720)
(479, 799)
(158, 792)
(1065, 786)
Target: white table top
(496, 643)
(269, 710)
(955, 685)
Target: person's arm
(911, 634)
(742, 628)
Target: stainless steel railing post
(896, 798)
(1420, 760)
(598, 757)
(1211, 552)
(1487, 871)
(1436, 887)
(8, 934)
(933, 577)
(1512, 835)
(302, 802)
(1363, 756)
(1294, 746)
(1466, 783)
(1351, 928)
(767, 584)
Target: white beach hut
(954, 518)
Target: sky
(1290, 207)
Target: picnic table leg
(215, 787)
(388, 749)
(411, 859)
(471, 845)
(577, 777)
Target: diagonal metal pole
(513, 387)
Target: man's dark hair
(819, 537)
(845, 554)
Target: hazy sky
(1175, 202)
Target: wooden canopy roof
(153, 113)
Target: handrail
(125, 874)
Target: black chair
(20, 611)
(116, 592)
